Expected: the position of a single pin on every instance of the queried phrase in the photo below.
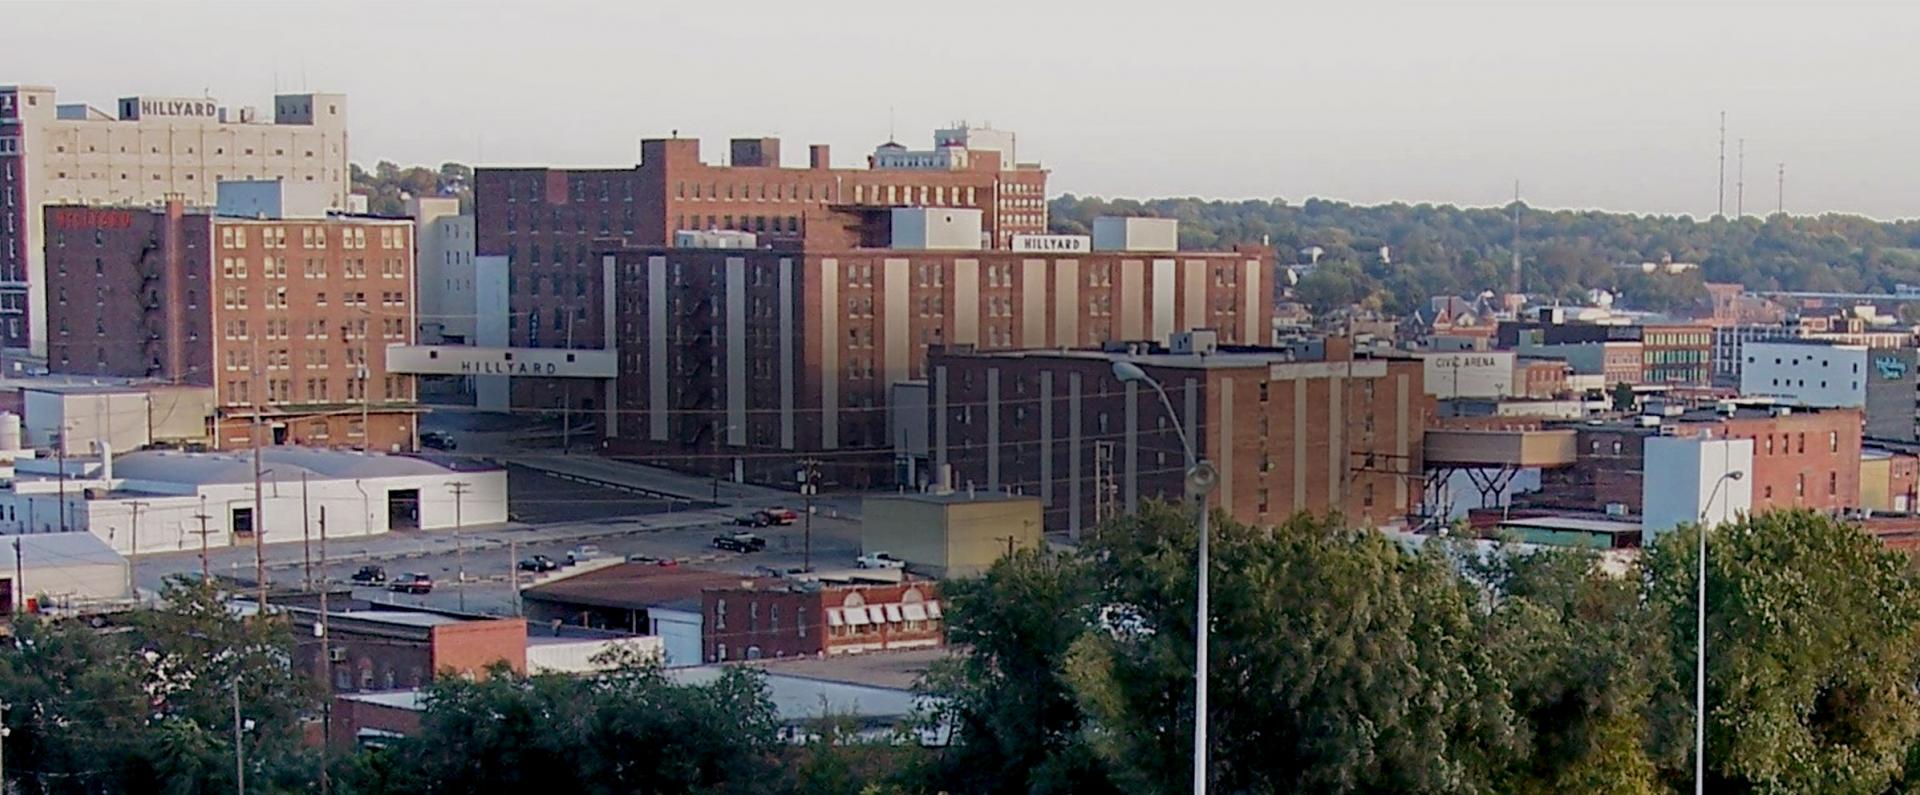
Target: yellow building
(949, 535)
(1876, 480)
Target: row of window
(239, 392)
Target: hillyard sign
(462, 360)
(1891, 368)
(175, 107)
(1052, 244)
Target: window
(1800, 485)
(1833, 483)
(1833, 441)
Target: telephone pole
(259, 499)
(326, 664)
(239, 750)
(60, 451)
(206, 571)
(306, 539)
(459, 550)
(809, 486)
(133, 582)
(1740, 183)
(513, 572)
(1780, 192)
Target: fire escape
(153, 313)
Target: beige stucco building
(957, 534)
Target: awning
(914, 611)
(876, 614)
(893, 613)
(856, 616)
(933, 609)
(834, 619)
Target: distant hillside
(388, 185)
(1449, 250)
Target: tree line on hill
(1342, 661)
(388, 186)
(1448, 250)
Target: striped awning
(914, 611)
(893, 614)
(834, 619)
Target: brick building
(735, 361)
(1802, 458)
(287, 313)
(1676, 355)
(773, 622)
(549, 223)
(376, 649)
(1541, 378)
(149, 150)
(1287, 436)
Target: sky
(1611, 105)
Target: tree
(1341, 662)
(1813, 638)
(630, 731)
(1011, 710)
(154, 703)
(1624, 398)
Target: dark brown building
(1286, 436)
(549, 223)
(289, 316)
(373, 649)
(740, 361)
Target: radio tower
(1740, 183)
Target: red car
(778, 515)
(414, 583)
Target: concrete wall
(1687, 479)
(1136, 234)
(1822, 376)
(117, 418)
(679, 633)
(936, 229)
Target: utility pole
(459, 550)
(1780, 192)
(19, 579)
(206, 571)
(259, 517)
(1515, 247)
(809, 486)
(513, 572)
(4, 733)
(239, 750)
(306, 539)
(133, 582)
(326, 664)
(60, 451)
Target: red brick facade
(750, 624)
(278, 314)
(1316, 437)
(822, 334)
(550, 223)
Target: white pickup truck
(879, 560)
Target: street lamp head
(1201, 480)
(1128, 372)
(1736, 475)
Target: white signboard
(1469, 374)
(1053, 244)
(530, 362)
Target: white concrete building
(160, 496)
(1469, 374)
(152, 148)
(444, 269)
(67, 570)
(1690, 479)
(1816, 374)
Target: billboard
(1469, 374)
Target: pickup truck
(739, 542)
(879, 560)
(412, 582)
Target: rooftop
(638, 586)
(288, 463)
(403, 617)
(1575, 524)
(955, 497)
(891, 669)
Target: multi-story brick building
(735, 361)
(287, 313)
(1341, 435)
(1802, 458)
(779, 621)
(549, 223)
(1676, 355)
(152, 150)
(390, 649)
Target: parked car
(370, 575)
(739, 542)
(412, 582)
(438, 440)
(538, 563)
(779, 515)
(879, 560)
(755, 519)
(582, 552)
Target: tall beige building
(145, 151)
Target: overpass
(496, 365)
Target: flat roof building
(150, 150)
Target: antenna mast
(1516, 236)
(1740, 183)
(1780, 192)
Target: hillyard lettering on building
(508, 368)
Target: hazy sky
(1611, 104)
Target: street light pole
(1201, 478)
(1700, 642)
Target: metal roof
(285, 462)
